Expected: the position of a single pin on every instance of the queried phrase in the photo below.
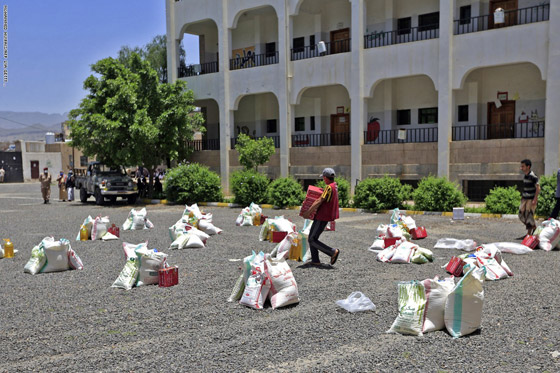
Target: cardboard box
(168, 276)
(418, 233)
(312, 194)
(455, 266)
(530, 241)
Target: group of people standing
(66, 184)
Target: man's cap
(328, 172)
(45, 169)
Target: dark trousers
(314, 244)
(555, 210)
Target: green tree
(129, 118)
(254, 153)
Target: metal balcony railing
(205, 144)
(401, 136)
(383, 38)
(310, 51)
(253, 61)
(498, 131)
(198, 69)
(514, 17)
(321, 139)
(276, 140)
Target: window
(299, 44)
(271, 126)
(429, 21)
(403, 26)
(270, 49)
(403, 117)
(300, 124)
(465, 15)
(312, 42)
(427, 115)
(312, 123)
(83, 161)
(463, 113)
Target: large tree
(130, 118)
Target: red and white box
(330, 226)
(418, 233)
(390, 241)
(530, 241)
(455, 266)
(168, 276)
(278, 236)
(312, 194)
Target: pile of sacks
(137, 220)
(142, 266)
(98, 229)
(276, 224)
(549, 234)
(52, 256)
(405, 252)
(434, 304)
(249, 216)
(198, 219)
(489, 257)
(192, 230)
(470, 245)
(265, 277)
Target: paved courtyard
(75, 321)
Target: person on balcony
(556, 209)
(327, 210)
(529, 197)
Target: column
(552, 111)
(226, 114)
(172, 44)
(285, 116)
(444, 85)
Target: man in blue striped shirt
(529, 197)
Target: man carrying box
(325, 209)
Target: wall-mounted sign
(502, 96)
(340, 109)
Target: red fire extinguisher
(373, 128)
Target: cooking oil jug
(83, 233)
(8, 248)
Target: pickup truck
(104, 182)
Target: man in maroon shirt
(327, 210)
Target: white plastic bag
(512, 248)
(356, 302)
(453, 243)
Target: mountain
(29, 125)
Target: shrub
(191, 183)
(343, 190)
(546, 196)
(249, 186)
(437, 194)
(384, 193)
(285, 191)
(253, 153)
(502, 200)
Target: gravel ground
(75, 321)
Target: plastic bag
(356, 302)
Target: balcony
(205, 144)
(276, 140)
(401, 136)
(311, 51)
(523, 130)
(383, 38)
(321, 139)
(514, 17)
(253, 60)
(198, 69)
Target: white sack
(38, 258)
(411, 308)
(57, 255)
(209, 228)
(512, 248)
(436, 295)
(256, 287)
(453, 243)
(74, 260)
(403, 252)
(130, 249)
(378, 244)
(109, 237)
(283, 290)
(128, 275)
(386, 254)
(149, 264)
(99, 228)
(549, 236)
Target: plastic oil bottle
(83, 233)
(8, 248)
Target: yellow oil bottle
(83, 233)
(8, 248)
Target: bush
(249, 186)
(546, 196)
(343, 190)
(384, 193)
(285, 191)
(253, 153)
(192, 183)
(502, 200)
(437, 194)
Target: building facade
(459, 88)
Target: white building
(457, 88)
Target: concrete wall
(408, 161)
(309, 162)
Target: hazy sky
(52, 43)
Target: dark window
(271, 126)
(465, 15)
(300, 124)
(299, 44)
(83, 161)
(403, 117)
(427, 115)
(429, 21)
(312, 123)
(312, 42)
(403, 26)
(463, 113)
(270, 49)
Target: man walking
(529, 197)
(45, 179)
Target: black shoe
(335, 256)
